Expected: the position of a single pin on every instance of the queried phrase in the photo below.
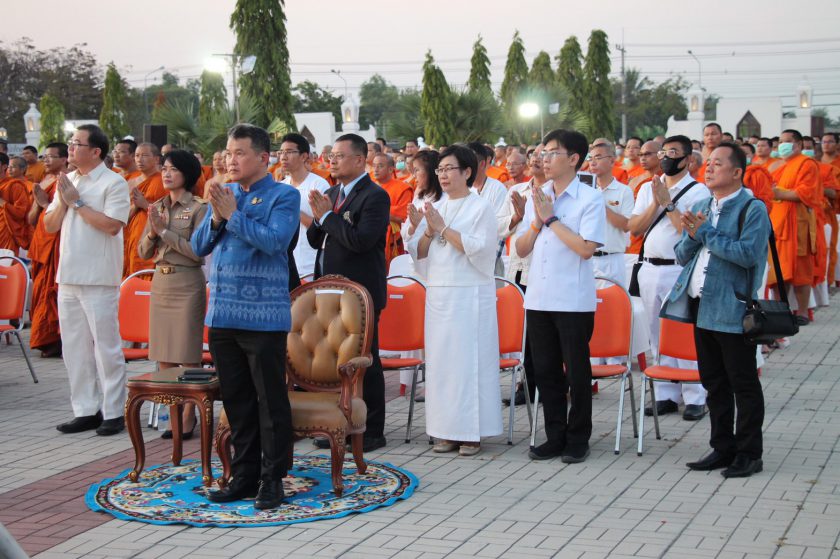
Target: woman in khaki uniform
(178, 303)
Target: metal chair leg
(632, 391)
(536, 416)
(26, 356)
(411, 404)
(620, 415)
(641, 418)
(655, 411)
(527, 396)
(512, 406)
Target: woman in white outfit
(454, 246)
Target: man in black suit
(348, 231)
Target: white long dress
(463, 399)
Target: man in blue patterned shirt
(249, 313)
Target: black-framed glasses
(75, 145)
(445, 170)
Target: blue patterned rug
(168, 494)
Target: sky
(742, 49)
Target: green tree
(212, 95)
(570, 72)
(260, 28)
(648, 104)
(377, 100)
(169, 91)
(52, 120)
(516, 78)
(405, 121)
(112, 119)
(477, 116)
(597, 88)
(436, 104)
(479, 68)
(312, 98)
(542, 82)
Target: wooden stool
(163, 387)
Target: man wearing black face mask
(659, 269)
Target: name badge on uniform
(255, 201)
(182, 215)
(613, 202)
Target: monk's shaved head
(648, 156)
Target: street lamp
(530, 110)
(145, 85)
(245, 64)
(699, 70)
(338, 73)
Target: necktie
(341, 196)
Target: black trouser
(373, 387)
(729, 374)
(528, 362)
(561, 339)
(252, 373)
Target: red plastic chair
(510, 314)
(402, 328)
(14, 285)
(676, 339)
(135, 303)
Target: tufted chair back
(331, 324)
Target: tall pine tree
(52, 120)
(260, 28)
(212, 96)
(541, 80)
(436, 104)
(479, 68)
(516, 76)
(597, 87)
(570, 73)
(113, 119)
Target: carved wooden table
(163, 387)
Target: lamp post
(699, 69)
(245, 65)
(338, 73)
(145, 85)
(530, 110)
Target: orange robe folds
(324, 174)
(14, 229)
(498, 173)
(620, 174)
(760, 183)
(44, 307)
(830, 177)
(701, 173)
(36, 171)
(794, 223)
(764, 162)
(207, 172)
(401, 195)
(152, 190)
(635, 171)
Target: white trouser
(655, 282)
(91, 346)
(610, 266)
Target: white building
(319, 128)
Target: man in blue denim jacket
(249, 313)
(723, 260)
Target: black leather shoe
(711, 461)
(369, 444)
(546, 451)
(802, 320)
(79, 424)
(270, 494)
(518, 398)
(111, 427)
(694, 412)
(237, 490)
(575, 453)
(743, 466)
(663, 407)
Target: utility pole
(620, 48)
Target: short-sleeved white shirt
(305, 254)
(663, 238)
(618, 198)
(558, 278)
(87, 255)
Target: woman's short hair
(187, 163)
(466, 159)
(429, 160)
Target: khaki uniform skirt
(176, 317)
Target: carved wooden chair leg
(223, 449)
(337, 446)
(357, 441)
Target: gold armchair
(327, 352)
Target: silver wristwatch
(670, 207)
(78, 204)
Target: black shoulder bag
(634, 276)
(767, 320)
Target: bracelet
(426, 234)
(550, 220)
(442, 231)
(534, 229)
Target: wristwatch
(670, 207)
(78, 204)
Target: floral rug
(168, 494)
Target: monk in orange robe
(145, 189)
(401, 196)
(763, 150)
(798, 195)
(43, 251)
(34, 169)
(712, 137)
(14, 204)
(517, 167)
(830, 177)
(632, 157)
(649, 161)
(123, 154)
(757, 179)
(498, 173)
(831, 156)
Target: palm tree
(187, 131)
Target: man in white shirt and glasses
(566, 225)
(90, 210)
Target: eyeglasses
(52, 157)
(283, 152)
(549, 155)
(446, 170)
(74, 145)
(600, 157)
(672, 153)
(828, 142)
(647, 154)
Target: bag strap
(780, 281)
(660, 216)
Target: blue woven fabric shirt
(249, 276)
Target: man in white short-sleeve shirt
(660, 270)
(566, 225)
(294, 153)
(90, 210)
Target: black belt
(602, 253)
(660, 261)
